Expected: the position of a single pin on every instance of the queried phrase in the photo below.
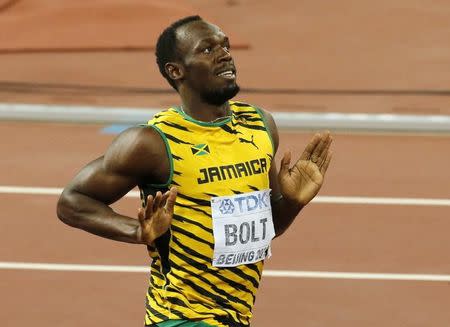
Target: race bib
(243, 228)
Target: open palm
(301, 182)
(155, 218)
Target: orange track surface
(327, 237)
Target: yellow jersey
(207, 160)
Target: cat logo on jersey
(200, 149)
(242, 140)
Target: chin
(220, 96)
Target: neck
(202, 111)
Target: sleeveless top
(207, 160)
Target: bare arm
(137, 154)
(294, 187)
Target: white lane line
(29, 190)
(71, 267)
(26, 190)
(267, 273)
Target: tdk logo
(226, 207)
(245, 203)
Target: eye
(207, 50)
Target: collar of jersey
(202, 123)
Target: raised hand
(301, 182)
(155, 218)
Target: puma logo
(242, 140)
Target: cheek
(198, 69)
(201, 76)
(203, 72)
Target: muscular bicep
(136, 156)
(98, 180)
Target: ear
(174, 70)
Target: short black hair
(166, 46)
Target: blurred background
(316, 56)
(373, 250)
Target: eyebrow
(210, 40)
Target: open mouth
(228, 74)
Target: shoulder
(269, 121)
(138, 138)
(242, 105)
(267, 115)
(134, 151)
(164, 115)
(270, 125)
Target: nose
(224, 55)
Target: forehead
(191, 34)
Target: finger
(320, 147)
(149, 207)
(310, 147)
(164, 198)
(323, 155)
(285, 163)
(170, 203)
(141, 215)
(328, 141)
(157, 201)
(326, 163)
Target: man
(212, 198)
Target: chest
(220, 160)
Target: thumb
(285, 163)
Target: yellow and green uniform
(207, 160)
